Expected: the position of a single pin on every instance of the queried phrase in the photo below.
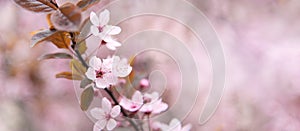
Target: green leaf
(77, 67)
(37, 5)
(85, 82)
(56, 56)
(69, 75)
(85, 4)
(82, 47)
(86, 98)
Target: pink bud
(144, 83)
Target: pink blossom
(134, 104)
(152, 104)
(105, 115)
(174, 125)
(103, 71)
(101, 29)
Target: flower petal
(91, 74)
(186, 127)
(110, 78)
(99, 125)
(112, 30)
(95, 63)
(98, 113)
(137, 97)
(175, 123)
(94, 19)
(104, 17)
(106, 105)
(101, 83)
(111, 124)
(115, 111)
(95, 31)
(111, 47)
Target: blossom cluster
(105, 73)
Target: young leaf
(68, 18)
(56, 56)
(37, 5)
(86, 98)
(77, 67)
(61, 39)
(69, 75)
(85, 82)
(85, 4)
(40, 36)
(82, 47)
(58, 38)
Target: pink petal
(98, 113)
(111, 47)
(106, 105)
(115, 111)
(104, 17)
(99, 125)
(95, 63)
(137, 97)
(187, 127)
(112, 30)
(94, 19)
(175, 123)
(111, 124)
(110, 78)
(90, 73)
(101, 83)
(95, 31)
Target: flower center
(100, 28)
(99, 74)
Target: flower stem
(122, 110)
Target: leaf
(77, 67)
(37, 5)
(85, 82)
(59, 38)
(56, 56)
(40, 36)
(68, 18)
(85, 4)
(86, 98)
(69, 75)
(82, 47)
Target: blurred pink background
(260, 41)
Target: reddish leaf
(85, 4)
(86, 98)
(69, 75)
(56, 56)
(68, 18)
(58, 38)
(37, 5)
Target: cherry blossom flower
(105, 72)
(148, 103)
(101, 29)
(121, 68)
(152, 104)
(174, 125)
(134, 104)
(105, 115)
(100, 72)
